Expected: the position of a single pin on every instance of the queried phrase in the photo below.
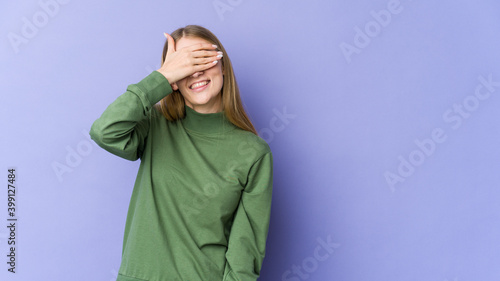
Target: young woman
(201, 202)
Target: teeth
(199, 84)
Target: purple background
(352, 119)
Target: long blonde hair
(172, 106)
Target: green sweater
(201, 202)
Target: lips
(199, 84)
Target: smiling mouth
(199, 84)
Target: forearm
(124, 124)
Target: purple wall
(382, 117)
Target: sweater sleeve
(247, 239)
(123, 127)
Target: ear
(174, 86)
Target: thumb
(171, 43)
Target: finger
(202, 61)
(202, 67)
(171, 43)
(204, 54)
(201, 46)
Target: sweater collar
(206, 123)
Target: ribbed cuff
(153, 88)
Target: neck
(207, 123)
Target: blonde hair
(172, 106)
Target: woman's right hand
(179, 64)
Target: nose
(196, 74)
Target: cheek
(181, 83)
(216, 70)
(218, 82)
(217, 76)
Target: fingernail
(215, 61)
(166, 36)
(215, 46)
(219, 54)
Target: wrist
(167, 76)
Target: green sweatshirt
(201, 201)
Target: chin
(201, 98)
